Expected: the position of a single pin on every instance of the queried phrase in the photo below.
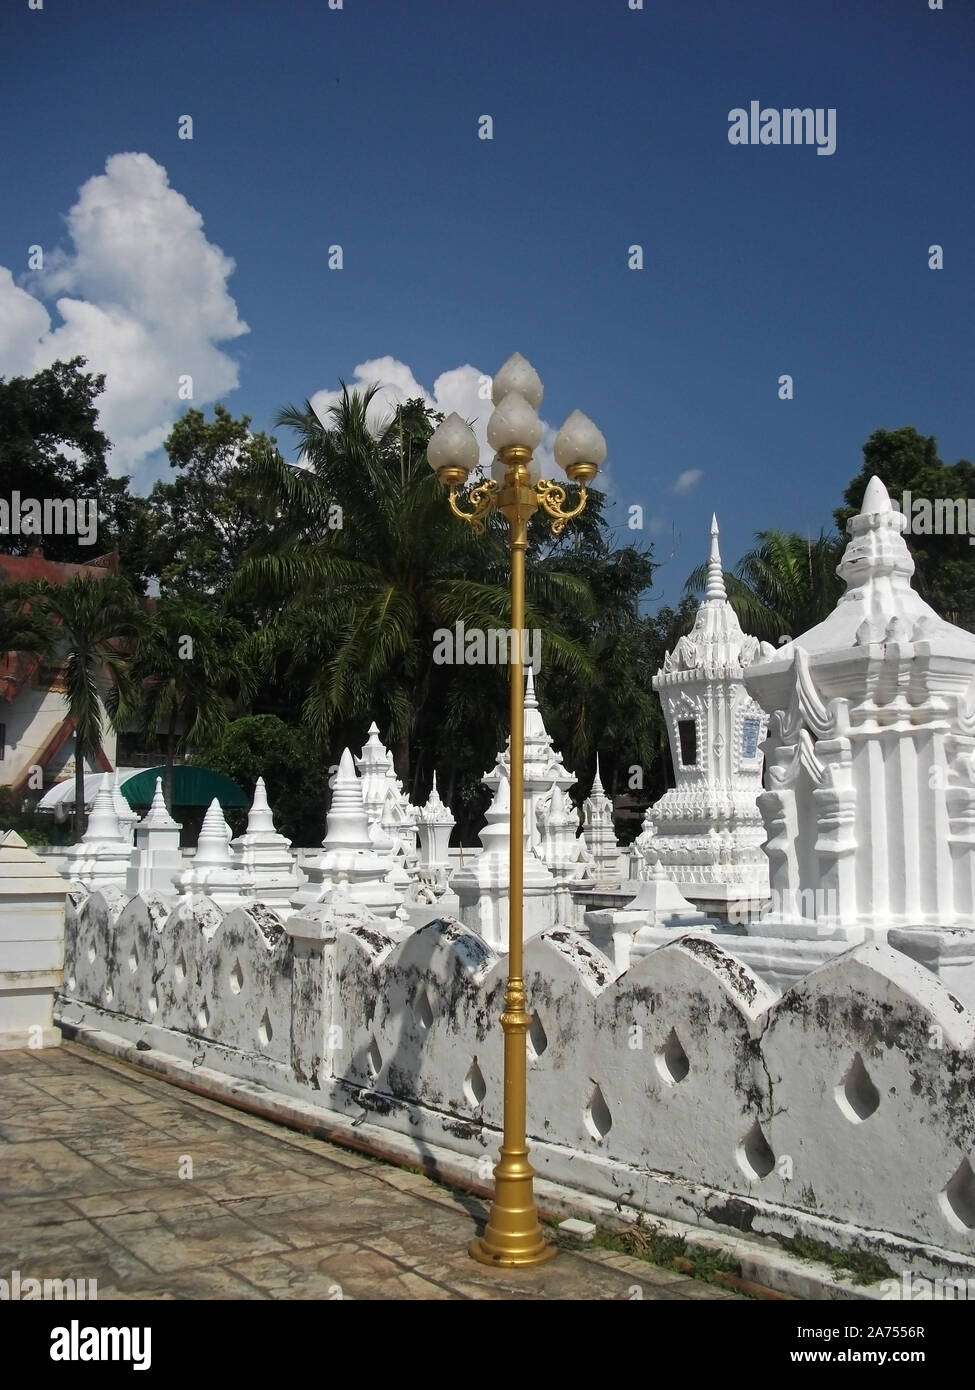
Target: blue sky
(359, 127)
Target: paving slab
(95, 1183)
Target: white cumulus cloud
(141, 293)
(688, 480)
(466, 390)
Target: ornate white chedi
(434, 823)
(706, 831)
(348, 857)
(600, 836)
(212, 870)
(156, 857)
(483, 887)
(102, 856)
(376, 774)
(870, 773)
(266, 856)
(544, 768)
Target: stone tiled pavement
(90, 1151)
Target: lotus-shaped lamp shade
(579, 442)
(517, 374)
(452, 445)
(514, 422)
(499, 468)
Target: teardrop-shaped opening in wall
(598, 1119)
(856, 1095)
(537, 1038)
(754, 1154)
(671, 1060)
(957, 1199)
(475, 1087)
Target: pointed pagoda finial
(158, 817)
(530, 700)
(715, 590)
(876, 498)
(597, 785)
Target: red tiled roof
(21, 569)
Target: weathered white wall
(844, 1109)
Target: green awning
(192, 786)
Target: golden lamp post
(513, 1235)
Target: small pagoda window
(750, 730)
(687, 735)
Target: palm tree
(784, 586)
(362, 598)
(96, 620)
(189, 661)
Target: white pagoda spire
(715, 591)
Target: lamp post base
(513, 1234)
(536, 1254)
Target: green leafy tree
(294, 766)
(190, 664)
(97, 620)
(51, 447)
(207, 517)
(906, 461)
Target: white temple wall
(683, 1086)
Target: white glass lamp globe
(579, 442)
(452, 445)
(514, 422)
(517, 374)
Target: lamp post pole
(513, 1235)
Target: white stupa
(706, 831)
(870, 774)
(213, 870)
(544, 768)
(348, 856)
(266, 855)
(483, 887)
(102, 857)
(156, 857)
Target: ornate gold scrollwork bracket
(551, 497)
(483, 500)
